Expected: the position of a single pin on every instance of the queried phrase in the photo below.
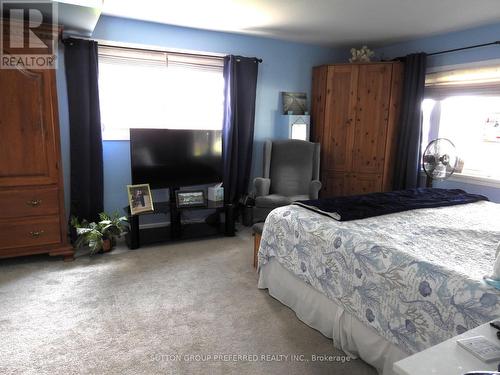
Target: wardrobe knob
(34, 202)
(36, 234)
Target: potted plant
(100, 236)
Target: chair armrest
(314, 188)
(262, 186)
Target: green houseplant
(100, 236)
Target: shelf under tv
(222, 223)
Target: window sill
(475, 180)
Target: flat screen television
(167, 158)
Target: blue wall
(478, 35)
(286, 67)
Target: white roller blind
(470, 81)
(195, 62)
(173, 59)
(127, 56)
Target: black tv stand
(175, 215)
(178, 230)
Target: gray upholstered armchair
(291, 173)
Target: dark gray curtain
(407, 158)
(240, 76)
(80, 57)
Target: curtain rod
(110, 44)
(464, 48)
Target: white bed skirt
(326, 316)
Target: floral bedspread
(415, 276)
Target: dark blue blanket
(376, 204)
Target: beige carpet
(156, 310)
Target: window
(464, 106)
(153, 89)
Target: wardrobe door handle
(36, 234)
(34, 202)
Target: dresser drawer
(36, 231)
(29, 202)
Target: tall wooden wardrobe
(32, 218)
(355, 110)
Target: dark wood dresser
(32, 218)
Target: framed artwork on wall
(294, 103)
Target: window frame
(440, 92)
(155, 56)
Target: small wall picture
(139, 198)
(491, 128)
(294, 103)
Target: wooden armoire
(355, 109)
(32, 218)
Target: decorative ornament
(361, 55)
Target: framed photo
(194, 198)
(294, 103)
(491, 128)
(139, 199)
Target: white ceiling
(79, 17)
(323, 22)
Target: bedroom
(193, 306)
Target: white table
(447, 358)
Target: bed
(388, 286)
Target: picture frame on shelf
(190, 198)
(140, 199)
